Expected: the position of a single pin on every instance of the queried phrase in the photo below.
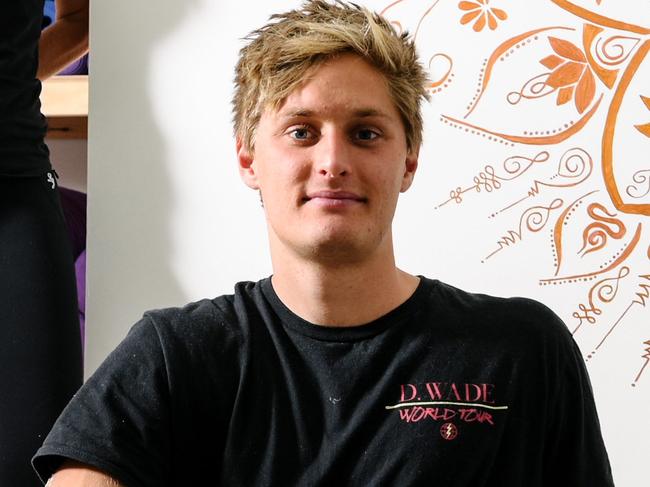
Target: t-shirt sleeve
(575, 453)
(118, 421)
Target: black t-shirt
(22, 126)
(450, 388)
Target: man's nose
(333, 155)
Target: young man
(341, 369)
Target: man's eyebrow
(358, 113)
(370, 112)
(297, 112)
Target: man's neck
(345, 295)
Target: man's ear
(410, 166)
(246, 162)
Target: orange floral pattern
(481, 13)
(601, 235)
(570, 74)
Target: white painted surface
(69, 157)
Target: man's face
(330, 164)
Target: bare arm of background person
(75, 474)
(66, 39)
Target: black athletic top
(450, 388)
(22, 126)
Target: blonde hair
(278, 56)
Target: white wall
(69, 158)
(170, 222)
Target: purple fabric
(80, 271)
(74, 208)
(80, 66)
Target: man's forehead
(344, 85)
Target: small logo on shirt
(449, 431)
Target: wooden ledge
(64, 102)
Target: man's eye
(300, 133)
(367, 134)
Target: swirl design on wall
(594, 237)
(614, 262)
(642, 178)
(533, 219)
(576, 165)
(603, 292)
(440, 79)
(501, 50)
(615, 50)
(642, 296)
(550, 87)
(536, 87)
(488, 180)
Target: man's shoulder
(216, 317)
(514, 314)
(479, 300)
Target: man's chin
(337, 249)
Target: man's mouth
(334, 197)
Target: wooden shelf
(64, 102)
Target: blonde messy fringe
(279, 55)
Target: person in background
(40, 346)
(340, 369)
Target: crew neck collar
(347, 333)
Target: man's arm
(118, 424)
(575, 452)
(75, 474)
(66, 39)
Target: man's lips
(335, 196)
